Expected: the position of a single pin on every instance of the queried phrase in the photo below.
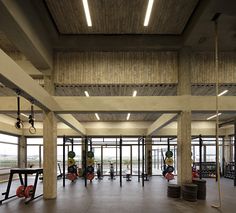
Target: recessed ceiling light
(128, 116)
(87, 13)
(86, 93)
(148, 13)
(134, 93)
(213, 116)
(222, 93)
(97, 116)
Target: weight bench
(24, 172)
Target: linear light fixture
(87, 13)
(134, 93)
(97, 116)
(24, 115)
(222, 93)
(213, 116)
(128, 116)
(86, 93)
(148, 13)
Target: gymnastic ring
(32, 130)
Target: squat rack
(65, 140)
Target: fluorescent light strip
(148, 13)
(24, 115)
(87, 13)
(134, 93)
(86, 93)
(222, 93)
(213, 116)
(97, 116)
(128, 116)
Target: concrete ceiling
(121, 17)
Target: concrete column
(148, 155)
(49, 148)
(184, 120)
(22, 152)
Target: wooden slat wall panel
(117, 90)
(115, 67)
(203, 67)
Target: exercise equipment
(71, 162)
(24, 190)
(29, 190)
(89, 160)
(90, 154)
(72, 167)
(112, 176)
(71, 154)
(19, 122)
(169, 161)
(201, 190)
(32, 129)
(189, 192)
(99, 177)
(168, 168)
(174, 191)
(20, 191)
(169, 176)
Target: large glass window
(8, 151)
(35, 152)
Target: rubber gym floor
(106, 196)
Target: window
(8, 151)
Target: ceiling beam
(165, 104)
(72, 122)
(117, 42)
(15, 78)
(21, 24)
(190, 31)
(161, 122)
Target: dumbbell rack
(208, 169)
(229, 170)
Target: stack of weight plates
(201, 192)
(173, 191)
(189, 192)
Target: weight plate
(72, 169)
(29, 191)
(20, 191)
(170, 169)
(71, 162)
(169, 176)
(71, 176)
(90, 161)
(169, 161)
(90, 154)
(90, 169)
(90, 176)
(71, 154)
(169, 154)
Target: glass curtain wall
(8, 151)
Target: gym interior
(116, 105)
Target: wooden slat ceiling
(210, 89)
(121, 16)
(86, 117)
(117, 90)
(203, 116)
